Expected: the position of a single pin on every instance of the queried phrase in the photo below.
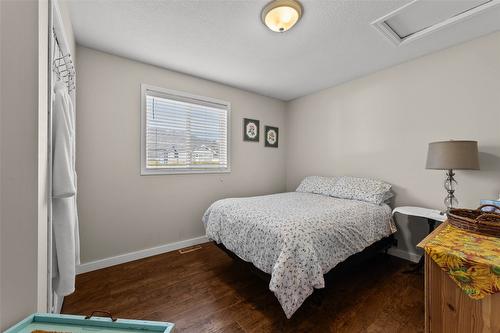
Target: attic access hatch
(419, 18)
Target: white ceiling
(225, 41)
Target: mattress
(296, 237)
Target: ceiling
(225, 41)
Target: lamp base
(450, 201)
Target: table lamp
(452, 155)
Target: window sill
(149, 172)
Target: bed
(296, 237)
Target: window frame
(164, 171)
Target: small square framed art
(271, 136)
(251, 130)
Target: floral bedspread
(296, 237)
(471, 260)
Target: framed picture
(251, 130)
(272, 137)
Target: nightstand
(432, 215)
(448, 308)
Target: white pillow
(362, 189)
(317, 184)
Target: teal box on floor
(43, 322)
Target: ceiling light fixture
(281, 15)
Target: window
(183, 133)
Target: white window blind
(183, 133)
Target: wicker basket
(475, 220)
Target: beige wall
(121, 211)
(23, 106)
(379, 126)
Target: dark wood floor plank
(206, 291)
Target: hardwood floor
(207, 291)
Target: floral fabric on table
(471, 260)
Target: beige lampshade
(456, 155)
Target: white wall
(121, 211)
(1, 159)
(68, 27)
(22, 133)
(42, 154)
(379, 126)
